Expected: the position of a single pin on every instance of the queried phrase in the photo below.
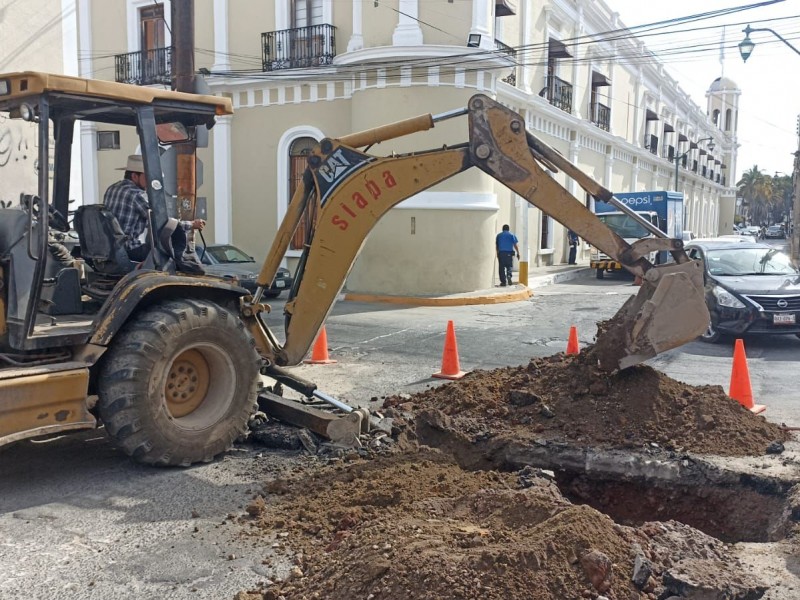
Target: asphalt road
(79, 520)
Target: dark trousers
(573, 254)
(506, 260)
(179, 240)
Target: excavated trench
(733, 500)
(553, 476)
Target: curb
(522, 293)
(545, 280)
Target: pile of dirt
(418, 526)
(570, 399)
(416, 522)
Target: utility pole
(183, 80)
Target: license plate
(783, 319)
(282, 284)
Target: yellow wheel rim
(187, 383)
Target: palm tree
(755, 188)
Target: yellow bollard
(523, 272)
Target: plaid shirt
(128, 202)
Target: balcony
(559, 93)
(298, 48)
(146, 67)
(601, 116)
(651, 143)
(502, 48)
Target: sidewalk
(537, 277)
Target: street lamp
(746, 45)
(682, 156)
(746, 49)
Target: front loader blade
(669, 311)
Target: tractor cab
(62, 262)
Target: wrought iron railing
(602, 116)
(146, 67)
(502, 48)
(298, 48)
(559, 93)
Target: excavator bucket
(669, 310)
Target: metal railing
(511, 79)
(559, 93)
(146, 67)
(298, 48)
(602, 116)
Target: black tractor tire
(599, 273)
(179, 383)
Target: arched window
(298, 155)
(728, 120)
(715, 117)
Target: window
(599, 101)
(728, 120)
(559, 92)
(306, 12)
(715, 117)
(298, 155)
(545, 243)
(152, 44)
(108, 140)
(151, 21)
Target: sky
(770, 80)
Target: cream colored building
(300, 70)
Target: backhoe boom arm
(348, 191)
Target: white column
(223, 216)
(221, 58)
(357, 39)
(407, 32)
(526, 22)
(282, 19)
(609, 168)
(482, 11)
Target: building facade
(301, 70)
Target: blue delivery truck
(662, 209)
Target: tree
(781, 198)
(756, 190)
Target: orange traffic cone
(319, 355)
(572, 344)
(450, 367)
(740, 390)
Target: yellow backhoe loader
(169, 363)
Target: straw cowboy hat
(135, 164)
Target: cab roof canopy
(106, 101)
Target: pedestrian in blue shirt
(506, 247)
(573, 247)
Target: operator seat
(102, 241)
(102, 244)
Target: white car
(732, 238)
